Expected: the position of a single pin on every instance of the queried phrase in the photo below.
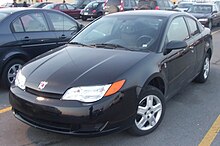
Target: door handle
(26, 39)
(62, 36)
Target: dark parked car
(26, 33)
(40, 5)
(92, 10)
(117, 74)
(65, 8)
(112, 6)
(155, 5)
(207, 13)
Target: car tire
(204, 73)
(150, 112)
(10, 71)
(84, 18)
(99, 14)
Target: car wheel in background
(150, 112)
(204, 73)
(84, 18)
(10, 71)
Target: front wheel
(84, 18)
(10, 71)
(150, 111)
(204, 73)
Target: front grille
(50, 125)
(43, 94)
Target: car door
(72, 11)
(199, 43)
(64, 27)
(179, 63)
(33, 33)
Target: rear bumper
(110, 114)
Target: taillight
(122, 6)
(93, 11)
(157, 8)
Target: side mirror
(175, 45)
(214, 12)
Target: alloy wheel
(12, 72)
(148, 113)
(206, 67)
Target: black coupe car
(28, 32)
(115, 74)
(93, 10)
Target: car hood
(200, 15)
(78, 66)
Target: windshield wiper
(77, 43)
(110, 46)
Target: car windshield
(200, 9)
(184, 5)
(126, 32)
(3, 15)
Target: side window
(62, 7)
(69, 7)
(95, 5)
(61, 22)
(192, 26)
(34, 22)
(17, 25)
(133, 3)
(177, 30)
(126, 3)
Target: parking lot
(192, 118)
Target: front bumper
(110, 114)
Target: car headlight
(92, 93)
(203, 19)
(20, 80)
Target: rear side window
(17, 25)
(31, 22)
(61, 22)
(192, 26)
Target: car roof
(16, 9)
(209, 4)
(162, 13)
